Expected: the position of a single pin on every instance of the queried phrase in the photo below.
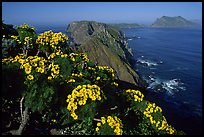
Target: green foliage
(66, 66)
(26, 31)
(87, 111)
(7, 46)
(67, 89)
(106, 130)
(39, 96)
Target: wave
(168, 86)
(173, 86)
(134, 37)
(178, 68)
(148, 62)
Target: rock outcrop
(105, 45)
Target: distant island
(126, 25)
(177, 21)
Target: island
(169, 22)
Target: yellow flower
(21, 61)
(49, 78)
(99, 124)
(75, 117)
(116, 84)
(41, 70)
(80, 102)
(30, 77)
(99, 98)
(93, 98)
(54, 120)
(41, 63)
(103, 121)
(26, 65)
(108, 120)
(28, 70)
(71, 80)
(97, 78)
(97, 129)
(69, 96)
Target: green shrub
(67, 89)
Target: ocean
(170, 61)
(54, 28)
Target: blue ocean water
(170, 61)
(54, 28)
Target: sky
(62, 13)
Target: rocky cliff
(105, 45)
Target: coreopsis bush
(68, 90)
(110, 125)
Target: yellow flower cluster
(34, 63)
(15, 59)
(73, 56)
(136, 94)
(107, 68)
(51, 38)
(80, 95)
(113, 122)
(38, 63)
(160, 124)
(57, 53)
(165, 126)
(91, 68)
(27, 40)
(84, 56)
(26, 26)
(16, 38)
(55, 69)
(114, 83)
(80, 75)
(70, 80)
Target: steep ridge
(105, 45)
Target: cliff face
(104, 45)
(178, 21)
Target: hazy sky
(61, 13)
